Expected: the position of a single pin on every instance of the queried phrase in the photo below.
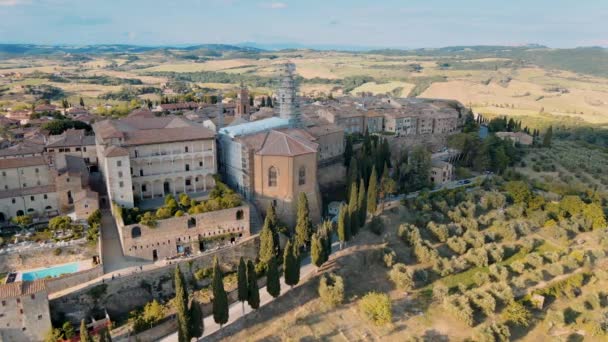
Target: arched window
(239, 215)
(272, 176)
(302, 176)
(135, 232)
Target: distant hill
(586, 60)
(14, 50)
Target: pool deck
(82, 266)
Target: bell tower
(242, 103)
(289, 107)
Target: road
(236, 311)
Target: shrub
(203, 273)
(376, 307)
(179, 213)
(459, 307)
(440, 292)
(57, 251)
(376, 225)
(331, 290)
(494, 332)
(389, 257)
(517, 314)
(401, 277)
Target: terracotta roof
(21, 149)
(141, 113)
(11, 163)
(21, 288)
(116, 151)
(142, 131)
(71, 137)
(282, 144)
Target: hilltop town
(157, 205)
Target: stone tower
(242, 103)
(220, 113)
(289, 107)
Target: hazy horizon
(340, 23)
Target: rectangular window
(119, 174)
(84, 149)
(144, 188)
(186, 149)
(32, 198)
(33, 296)
(3, 173)
(188, 182)
(13, 200)
(121, 184)
(45, 196)
(200, 164)
(39, 317)
(119, 163)
(51, 150)
(37, 171)
(77, 149)
(18, 300)
(68, 150)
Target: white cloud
(13, 2)
(272, 5)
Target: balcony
(181, 153)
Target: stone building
(152, 157)
(516, 137)
(441, 172)
(187, 234)
(242, 108)
(24, 311)
(85, 203)
(73, 142)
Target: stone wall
(128, 292)
(69, 280)
(185, 232)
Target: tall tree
(220, 299)
(372, 192)
(272, 220)
(267, 246)
(353, 211)
(263, 104)
(353, 175)
(317, 253)
(104, 335)
(253, 297)
(81, 102)
(325, 231)
(548, 137)
(269, 102)
(197, 324)
(242, 284)
(362, 203)
(343, 225)
(348, 151)
(273, 279)
(291, 265)
(84, 333)
(181, 306)
(303, 225)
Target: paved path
(236, 309)
(113, 259)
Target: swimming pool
(50, 272)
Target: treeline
(128, 93)
(490, 154)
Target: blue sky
(379, 23)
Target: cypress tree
(548, 137)
(352, 209)
(81, 102)
(269, 102)
(348, 151)
(181, 306)
(291, 265)
(104, 335)
(273, 280)
(220, 299)
(267, 247)
(84, 333)
(253, 297)
(303, 225)
(353, 175)
(372, 192)
(317, 254)
(197, 325)
(242, 283)
(272, 221)
(362, 203)
(263, 104)
(343, 225)
(325, 233)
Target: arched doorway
(20, 213)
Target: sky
(364, 23)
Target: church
(273, 160)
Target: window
(3, 303)
(45, 196)
(186, 149)
(200, 164)
(188, 182)
(51, 150)
(25, 185)
(84, 149)
(144, 188)
(39, 317)
(302, 176)
(67, 180)
(18, 300)
(33, 296)
(141, 172)
(272, 176)
(13, 200)
(32, 198)
(187, 167)
(77, 149)
(121, 184)
(68, 150)
(36, 170)
(3, 173)
(135, 232)
(119, 174)
(38, 182)
(119, 163)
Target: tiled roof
(21, 288)
(86, 193)
(115, 151)
(22, 149)
(71, 137)
(36, 190)
(11, 163)
(282, 144)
